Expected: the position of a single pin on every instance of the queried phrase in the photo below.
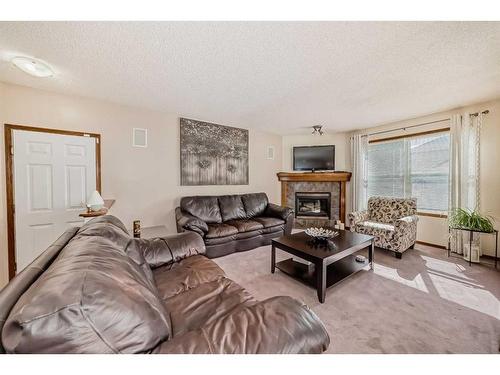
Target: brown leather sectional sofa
(98, 290)
(230, 223)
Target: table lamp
(95, 201)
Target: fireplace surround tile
(320, 182)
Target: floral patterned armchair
(393, 222)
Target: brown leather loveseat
(230, 223)
(98, 290)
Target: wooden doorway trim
(9, 179)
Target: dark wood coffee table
(331, 262)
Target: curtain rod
(485, 112)
(477, 113)
(408, 127)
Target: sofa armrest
(357, 217)
(276, 325)
(405, 231)
(171, 249)
(186, 221)
(405, 223)
(277, 211)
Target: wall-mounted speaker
(140, 137)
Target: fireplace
(313, 205)
(315, 183)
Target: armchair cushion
(372, 228)
(387, 210)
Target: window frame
(436, 214)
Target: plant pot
(476, 248)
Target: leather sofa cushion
(220, 230)
(170, 249)
(185, 275)
(231, 207)
(245, 235)
(256, 328)
(204, 207)
(92, 299)
(245, 225)
(255, 204)
(219, 240)
(275, 229)
(118, 236)
(199, 306)
(10, 294)
(269, 222)
(108, 220)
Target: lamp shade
(95, 201)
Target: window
(415, 166)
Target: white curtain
(359, 162)
(464, 170)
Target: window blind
(412, 167)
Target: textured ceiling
(278, 76)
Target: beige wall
(340, 140)
(144, 181)
(342, 151)
(431, 230)
(435, 230)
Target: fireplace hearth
(313, 205)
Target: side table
(471, 232)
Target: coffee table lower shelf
(336, 271)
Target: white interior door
(53, 176)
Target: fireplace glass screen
(312, 205)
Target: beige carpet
(424, 303)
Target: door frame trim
(9, 179)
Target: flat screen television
(314, 158)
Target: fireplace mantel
(342, 178)
(315, 176)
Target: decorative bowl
(321, 234)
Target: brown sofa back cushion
(231, 207)
(255, 204)
(204, 207)
(93, 299)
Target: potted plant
(466, 219)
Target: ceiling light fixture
(317, 129)
(32, 66)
